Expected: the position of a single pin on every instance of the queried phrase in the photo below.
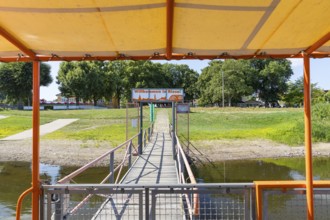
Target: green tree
(269, 78)
(209, 89)
(116, 80)
(295, 93)
(95, 77)
(16, 80)
(83, 80)
(235, 74)
(327, 97)
(71, 80)
(181, 76)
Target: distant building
(72, 100)
(250, 103)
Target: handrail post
(144, 139)
(59, 207)
(173, 130)
(112, 175)
(130, 155)
(141, 130)
(149, 133)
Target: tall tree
(269, 78)
(209, 89)
(116, 80)
(94, 73)
(294, 96)
(71, 80)
(181, 76)
(235, 74)
(16, 80)
(83, 80)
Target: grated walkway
(154, 166)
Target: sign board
(134, 123)
(157, 95)
(182, 108)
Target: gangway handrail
(186, 163)
(127, 155)
(91, 163)
(180, 154)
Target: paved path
(44, 129)
(154, 166)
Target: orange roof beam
(169, 28)
(162, 57)
(318, 44)
(17, 43)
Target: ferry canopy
(160, 29)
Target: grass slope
(102, 125)
(279, 125)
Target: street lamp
(223, 87)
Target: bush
(321, 111)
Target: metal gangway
(138, 194)
(159, 184)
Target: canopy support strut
(169, 28)
(35, 141)
(308, 138)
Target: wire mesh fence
(148, 202)
(278, 204)
(215, 201)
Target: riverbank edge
(79, 153)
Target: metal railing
(185, 173)
(216, 201)
(287, 199)
(109, 158)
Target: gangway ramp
(154, 166)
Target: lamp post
(223, 89)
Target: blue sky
(320, 73)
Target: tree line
(266, 80)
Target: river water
(15, 177)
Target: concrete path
(2, 116)
(44, 129)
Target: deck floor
(154, 166)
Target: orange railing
(19, 202)
(283, 185)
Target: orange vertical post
(35, 141)
(308, 138)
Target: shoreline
(78, 153)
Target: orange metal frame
(308, 138)
(19, 202)
(35, 141)
(32, 56)
(261, 185)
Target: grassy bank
(280, 125)
(100, 125)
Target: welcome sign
(157, 95)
